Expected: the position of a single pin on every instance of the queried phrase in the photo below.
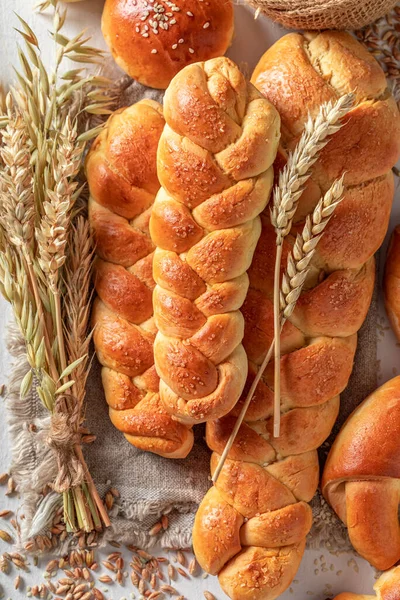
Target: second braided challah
(121, 171)
(215, 167)
(251, 526)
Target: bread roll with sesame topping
(152, 40)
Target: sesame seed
(191, 50)
(174, 47)
(206, 25)
(154, 51)
(189, 13)
(181, 41)
(145, 35)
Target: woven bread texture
(324, 14)
(215, 166)
(251, 526)
(121, 171)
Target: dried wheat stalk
(293, 281)
(292, 181)
(45, 246)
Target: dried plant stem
(92, 487)
(277, 344)
(242, 413)
(292, 181)
(42, 319)
(59, 331)
(293, 280)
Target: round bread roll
(153, 40)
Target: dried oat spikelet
(16, 189)
(299, 258)
(297, 171)
(52, 233)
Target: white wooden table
(320, 575)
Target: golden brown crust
(268, 480)
(121, 171)
(391, 282)
(361, 479)
(215, 165)
(152, 45)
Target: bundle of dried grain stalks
(46, 248)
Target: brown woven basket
(324, 14)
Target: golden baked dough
(251, 526)
(153, 40)
(121, 171)
(215, 167)
(361, 480)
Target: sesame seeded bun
(154, 39)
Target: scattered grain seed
(153, 581)
(145, 574)
(169, 589)
(97, 594)
(6, 537)
(209, 596)
(193, 566)
(171, 572)
(10, 486)
(105, 579)
(120, 562)
(114, 544)
(154, 595)
(5, 513)
(17, 582)
(109, 566)
(135, 578)
(86, 574)
(142, 586)
(155, 530)
(87, 596)
(109, 500)
(182, 572)
(144, 555)
(113, 556)
(181, 558)
(4, 478)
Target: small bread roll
(152, 40)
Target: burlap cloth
(149, 485)
(324, 14)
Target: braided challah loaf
(215, 167)
(361, 480)
(251, 526)
(121, 171)
(391, 282)
(387, 588)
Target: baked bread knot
(153, 40)
(215, 166)
(386, 588)
(251, 527)
(391, 282)
(361, 480)
(121, 171)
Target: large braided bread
(251, 526)
(215, 167)
(387, 588)
(361, 480)
(121, 171)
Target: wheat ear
(293, 280)
(292, 181)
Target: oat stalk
(45, 246)
(292, 182)
(293, 280)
